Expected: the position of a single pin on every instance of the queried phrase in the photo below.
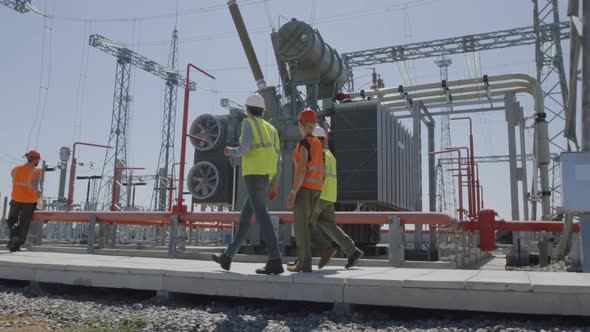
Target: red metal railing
(286, 217)
(485, 223)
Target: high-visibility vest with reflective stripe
(22, 184)
(314, 178)
(263, 156)
(330, 190)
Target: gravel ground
(556, 266)
(24, 309)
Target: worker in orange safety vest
(26, 198)
(304, 199)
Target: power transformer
(375, 153)
(376, 157)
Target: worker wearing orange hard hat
(26, 198)
(307, 186)
(325, 214)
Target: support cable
(314, 4)
(268, 15)
(44, 81)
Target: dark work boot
(223, 260)
(12, 243)
(354, 258)
(273, 266)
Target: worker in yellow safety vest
(326, 213)
(26, 198)
(261, 159)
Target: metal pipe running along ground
(285, 217)
(485, 224)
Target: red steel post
(487, 234)
(476, 187)
(472, 162)
(461, 210)
(469, 187)
(471, 215)
(179, 206)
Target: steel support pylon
(21, 6)
(585, 117)
(446, 182)
(117, 155)
(166, 158)
(551, 74)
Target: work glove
(39, 204)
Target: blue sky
(78, 106)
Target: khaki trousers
(326, 220)
(306, 202)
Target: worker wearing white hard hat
(261, 160)
(326, 213)
(256, 101)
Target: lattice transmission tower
(117, 156)
(446, 183)
(166, 158)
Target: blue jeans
(255, 204)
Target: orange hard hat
(33, 154)
(307, 115)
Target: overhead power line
(44, 80)
(155, 17)
(324, 20)
(314, 5)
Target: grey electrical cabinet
(575, 182)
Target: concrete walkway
(476, 290)
(204, 253)
(496, 262)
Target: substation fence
(469, 240)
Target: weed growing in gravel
(124, 327)
(91, 329)
(107, 324)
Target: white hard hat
(319, 132)
(255, 100)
